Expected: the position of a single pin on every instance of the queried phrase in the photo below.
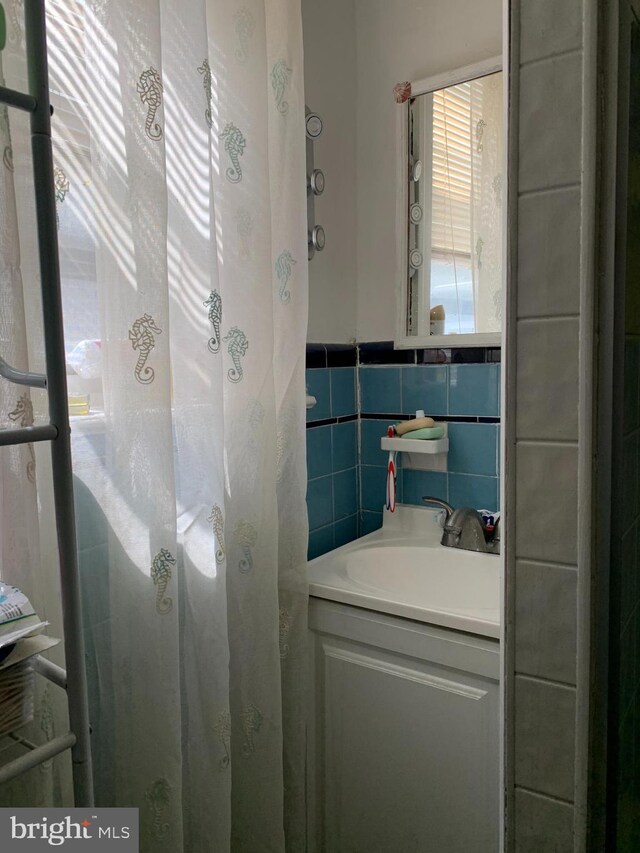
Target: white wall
(330, 79)
(355, 52)
(400, 40)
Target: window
(451, 283)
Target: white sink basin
(451, 579)
(402, 569)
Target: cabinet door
(406, 751)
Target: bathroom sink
(403, 570)
(452, 579)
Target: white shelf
(416, 445)
(421, 454)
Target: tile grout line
(544, 796)
(548, 318)
(552, 564)
(332, 523)
(548, 442)
(333, 473)
(541, 60)
(552, 682)
(554, 188)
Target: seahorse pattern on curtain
(192, 180)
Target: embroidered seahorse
(60, 183)
(251, 722)
(205, 70)
(214, 301)
(217, 523)
(161, 575)
(142, 337)
(284, 624)
(238, 346)
(244, 223)
(23, 412)
(157, 796)
(234, 145)
(223, 730)
(245, 535)
(284, 263)
(280, 76)
(149, 88)
(480, 126)
(244, 30)
(7, 152)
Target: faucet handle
(442, 504)
(497, 528)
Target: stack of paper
(20, 628)
(21, 637)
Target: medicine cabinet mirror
(450, 208)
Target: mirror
(452, 167)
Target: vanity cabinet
(403, 735)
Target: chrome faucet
(463, 529)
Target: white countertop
(402, 569)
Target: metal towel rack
(57, 431)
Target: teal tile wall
(425, 384)
(319, 452)
(335, 391)
(467, 391)
(344, 443)
(332, 459)
(319, 386)
(343, 391)
(474, 389)
(471, 390)
(380, 389)
(346, 466)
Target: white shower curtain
(179, 147)
(487, 151)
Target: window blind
(451, 176)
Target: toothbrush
(391, 482)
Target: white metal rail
(57, 431)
